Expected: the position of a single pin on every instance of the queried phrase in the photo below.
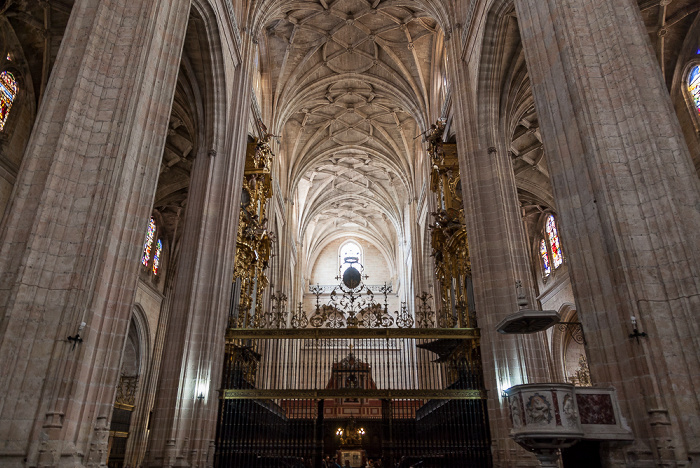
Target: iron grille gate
(405, 397)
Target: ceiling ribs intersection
(351, 86)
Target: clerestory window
(694, 87)
(551, 253)
(152, 249)
(8, 91)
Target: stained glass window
(554, 244)
(156, 256)
(545, 258)
(148, 243)
(8, 91)
(694, 86)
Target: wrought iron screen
(291, 397)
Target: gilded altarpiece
(254, 241)
(450, 248)
(253, 253)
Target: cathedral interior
(377, 233)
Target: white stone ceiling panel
(350, 84)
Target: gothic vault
(181, 180)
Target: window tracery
(545, 258)
(148, 248)
(554, 244)
(694, 86)
(156, 256)
(8, 91)
(551, 255)
(148, 243)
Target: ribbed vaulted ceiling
(351, 81)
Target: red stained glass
(554, 244)
(8, 91)
(694, 86)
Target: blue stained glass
(545, 258)
(6, 92)
(694, 86)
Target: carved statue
(254, 242)
(515, 414)
(263, 152)
(434, 139)
(538, 409)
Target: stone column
(186, 405)
(70, 243)
(629, 204)
(499, 255)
